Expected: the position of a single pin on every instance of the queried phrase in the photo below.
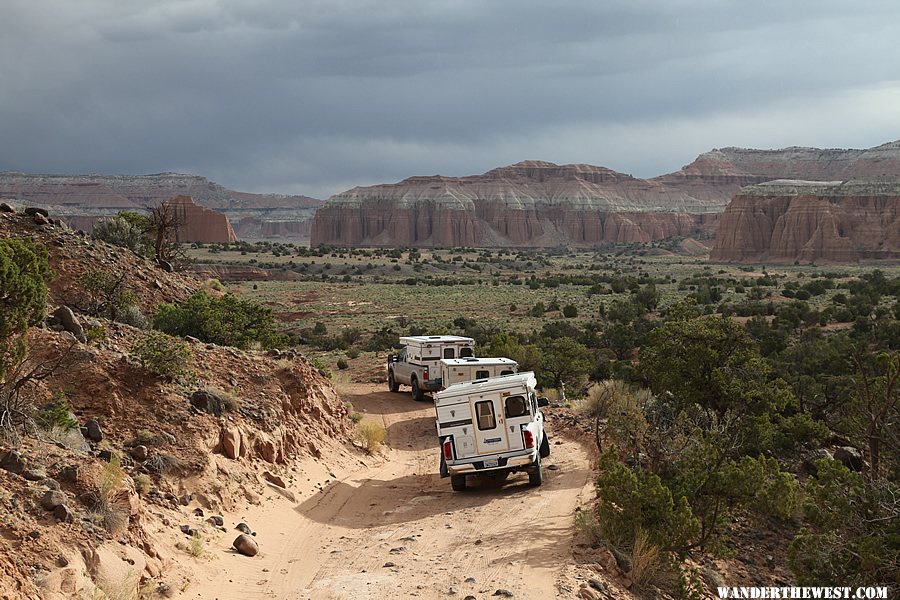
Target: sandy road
(396, 530)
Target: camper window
(506, 372)
(465, 353)
(482, 374)
(485, 413)
(516, 406)
(449, 353)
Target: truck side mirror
(543, 401)
(391, 358)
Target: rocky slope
(120, 508)
(83, 199)
(541, 204)
(789, 220)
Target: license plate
(490, 463)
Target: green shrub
(227, 321)
(162, 354)
(24, 275)
(106, 295)
(57, 415)
(342, 364)
(127, 229)
(570, 311)
(631, 500)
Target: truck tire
(458, 483)
(417, 393)
(545, 447)
(536, 475)
(392, 385)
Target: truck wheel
(545, 447)
(458, 483)
(417, 394)
(536, 475)
(392, 385)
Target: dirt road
(394, 529)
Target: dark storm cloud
(313, 97)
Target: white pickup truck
(418, 363)
(491, 427)
(456, 370)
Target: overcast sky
(314, 97)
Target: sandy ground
(390, 527)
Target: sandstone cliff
(788, 220)
(200, 224)
(541, 204)
(81, 200)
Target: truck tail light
(425, 375)
(448, 449)
(529, 439)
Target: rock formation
(82, 200)
(200, 224)
(540, 204)
(788, 220)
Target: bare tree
(163, 231)
(877, 403)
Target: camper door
(490, 429)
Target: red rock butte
(541, 204)
(200, 224)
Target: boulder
(70, 322)
(62, 513)
(274, 479)
(809, 461)
(231, 442)
(215, 520)
(40, 219)
(7, 208)
(34, 474)
(53, 498)
(92, 431)
(139, 453)
(36, 210)
(850, 457)
(244, 528)
(208, 402)
(12, 461)
(246, 545)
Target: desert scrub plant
(142, 483)
(162, 354)
(160, 464)
(95, 335)
(370, 436)
(227, 321)
(56, 415)
(342, 364)
(109, 508)
(105, 293)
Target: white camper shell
(491, 426)
(418, 363)
(456, 370)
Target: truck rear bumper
(510, 463)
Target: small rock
(34, 474)
(246, 545)
(274, 479)
(198, 512)
(552, 467)
(36, 210)
(243, 528)
(454, 590)
(62, 561)
(398, 550)
(504, 593)
(40, 219)
(12, 461)
(7, 208)
(215, 520)
(50, 484)
(389, 564)
(53, 498)
(63, 514)
(33, 535)
(470, 580)
(470, 597)
(105, 455)
(597, 585)
(185, 499)
(587, 593)
(69, 473)
(139, 453)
